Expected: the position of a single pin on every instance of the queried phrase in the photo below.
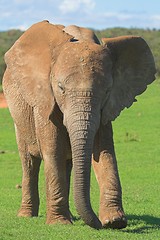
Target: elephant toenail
(107, 221)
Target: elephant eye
(61, 87)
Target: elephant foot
(58, 220)
(27, 212)
(115, 219)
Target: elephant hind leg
(23, 116)
(30, 195)
(31, 161)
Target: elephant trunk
(82, 153)
(82, 130)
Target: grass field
(137, 142)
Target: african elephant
(63, 89)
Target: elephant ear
(133, 69)
(29, 63)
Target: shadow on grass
(135, 222)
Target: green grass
(137, 142)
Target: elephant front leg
(111, 212)
(56, 190)
(52, 144)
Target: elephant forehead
(82, 51)
(82, 59)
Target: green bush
(7, 39)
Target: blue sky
(97, 14)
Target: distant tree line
(7, 39)
(152, 37)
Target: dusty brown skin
(63, 90)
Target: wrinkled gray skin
(63, 91)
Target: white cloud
(22, 14)
(119, 16)
(156, 17)
(155, 21)
(70, 6)
(22, 1)
(19, 27)
(6, 14)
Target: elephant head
(90, 83)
